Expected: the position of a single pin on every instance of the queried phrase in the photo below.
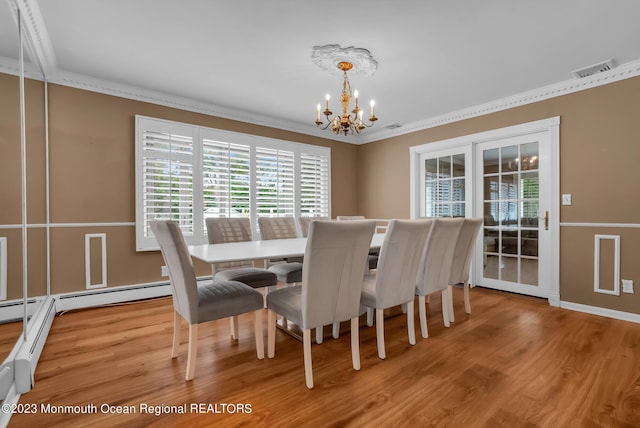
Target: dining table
(261, 250)
(258, 249)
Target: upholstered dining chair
(304, 222)
(394, 281)
(373, 254)
(372, 263)
(332, 275)
(222, 230)
(462, 261)
(435, 267)
(288, 271)
(201, 303)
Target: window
(188, 173)
(444, 186)
(444, 183)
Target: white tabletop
(256, 250)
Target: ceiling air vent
(393, 126)
(593, 69)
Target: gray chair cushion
(287, 302)
(288, 272)
(253, 277)
(225, 299)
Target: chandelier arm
(324, 127)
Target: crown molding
(37, 35)
(624, 71)
(79, 81)
(11, 66)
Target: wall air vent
(593, 69)
(393, 126)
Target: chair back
(304, 222)
(222, 230)
(184, 287)
(464, 250)
(277, 227)
(333, 271)
(437, 256)
(399, 261)
(349, 217)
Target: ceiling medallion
(330, 58)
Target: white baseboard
(106, 296)
(11, 399)
(28, 355)
(604, 312)
(12, 310)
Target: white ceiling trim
(37, 35)
(625, 71)
(65, 78)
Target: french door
(513, 195)
(508, 177)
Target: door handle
(546, 220)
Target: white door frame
(466, 142)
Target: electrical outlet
(627, 286)
(164, 271)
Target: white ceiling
(252, 60)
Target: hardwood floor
(9, 333)
(514, 362)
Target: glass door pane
(511, 205)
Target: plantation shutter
(274, 182)
(226, 179)
(166, 164)
(314, 185)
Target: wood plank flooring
(9, 333)
(515, 362)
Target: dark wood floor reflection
(515, 361)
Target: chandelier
(347, 122)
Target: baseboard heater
(111, 295)
(29, 353)
(13, 311)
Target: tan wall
(11, 184)
(92, 179)
(599, 153)
(92, 158)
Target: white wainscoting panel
(87, 259)
(616, 265)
